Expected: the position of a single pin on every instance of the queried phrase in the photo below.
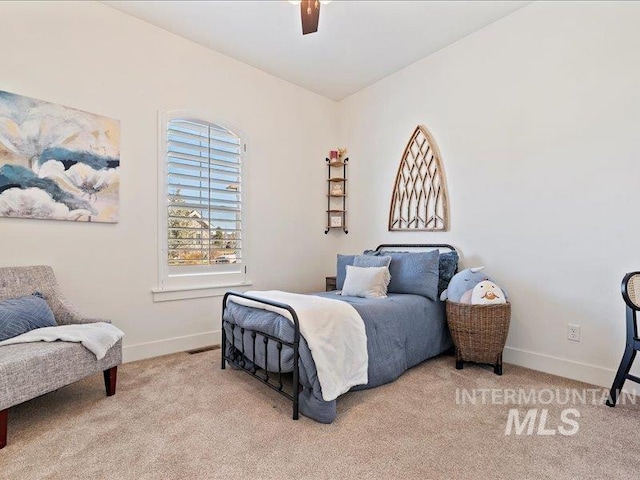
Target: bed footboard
(238, 358)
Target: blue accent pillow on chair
(21, 315)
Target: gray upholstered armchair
(32, 369)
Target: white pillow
(366, 282)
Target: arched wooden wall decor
(420, 200)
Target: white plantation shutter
(204, 207)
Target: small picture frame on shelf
(337, 188)
(335, 221)
(333, 156)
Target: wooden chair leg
(110, 377)
(4, 421)
(621, 376)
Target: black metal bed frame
(238, 357)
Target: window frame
(205, 279)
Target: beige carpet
(181, 417)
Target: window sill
(186, 293)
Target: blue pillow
(447, 266)
(368, 261)
(21, 315)
(341, 269)
(415, 273)
(371, 261)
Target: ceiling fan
(309, 13)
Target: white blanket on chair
(97, 337)
(334, 332)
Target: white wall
(537, 119)
(91, 57)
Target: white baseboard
(131, 353)
(562, 367)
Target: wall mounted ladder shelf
(336, 194)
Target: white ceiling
(357, 43)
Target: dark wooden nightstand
(330, 283)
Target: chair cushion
(29, 370)
(21, 315)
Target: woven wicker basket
(479, 332)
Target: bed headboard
(443, 247)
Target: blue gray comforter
(402, 331)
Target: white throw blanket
(97, 337)
(334, 332)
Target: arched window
(201, 216)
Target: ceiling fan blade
(310, 14)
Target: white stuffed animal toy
(487, 293)
(462, 282)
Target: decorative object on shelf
(57, 163)
(336, 221)
(420, 200)
(337, 190)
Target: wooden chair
(631, 296)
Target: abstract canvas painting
(57, 162)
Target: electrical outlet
(573, 332)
